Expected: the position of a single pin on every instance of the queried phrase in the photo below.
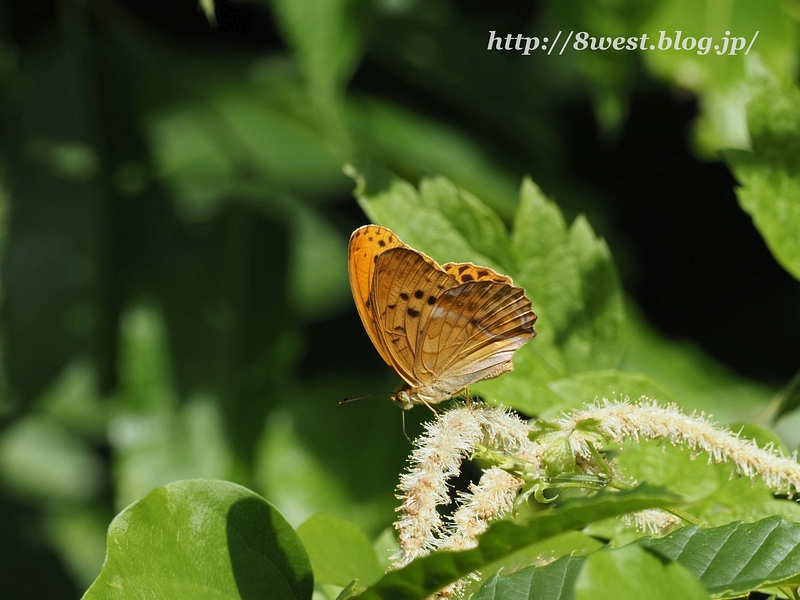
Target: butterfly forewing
(366, 244)
(405, 289)
(473, 332)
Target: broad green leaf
(477, 223)
(712, 68)
(420, 221)
(556, 582)
(202, 150)
(571, 279)
(514, 570)
(426, 575)
(729, 560)
(583, 388)
(739, 498)
(339, 551)
(631, 573)
(736, 558)
(203, 539)
(325, 39)
(770, 174)
(676, 469)
(710, 492)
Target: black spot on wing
(467, 277)
(431, 300)
(412, 313)
(419, 294)
(404, 296)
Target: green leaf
(674, 468)
(472, 219)
(631, 573)
(339, 551)
(203, 539)
(425, 221)
(718, 74)
(556, 582)
(202, 150)
(699, 382)
(561, 548)
(426, 575)
(325, 39)
(736, 558)
(583, 388)
(570, 277)
(770, 174)
(730, 560)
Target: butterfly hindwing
(473, 332)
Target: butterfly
(441, 328)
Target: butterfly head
(403, 399)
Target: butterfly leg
(433, 410)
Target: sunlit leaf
(630, 573)
(770, 174)
(339, 551)
(738, 557)
(203, 539)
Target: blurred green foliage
(174, 226)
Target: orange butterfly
(441, 328)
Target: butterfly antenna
(347, 400)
